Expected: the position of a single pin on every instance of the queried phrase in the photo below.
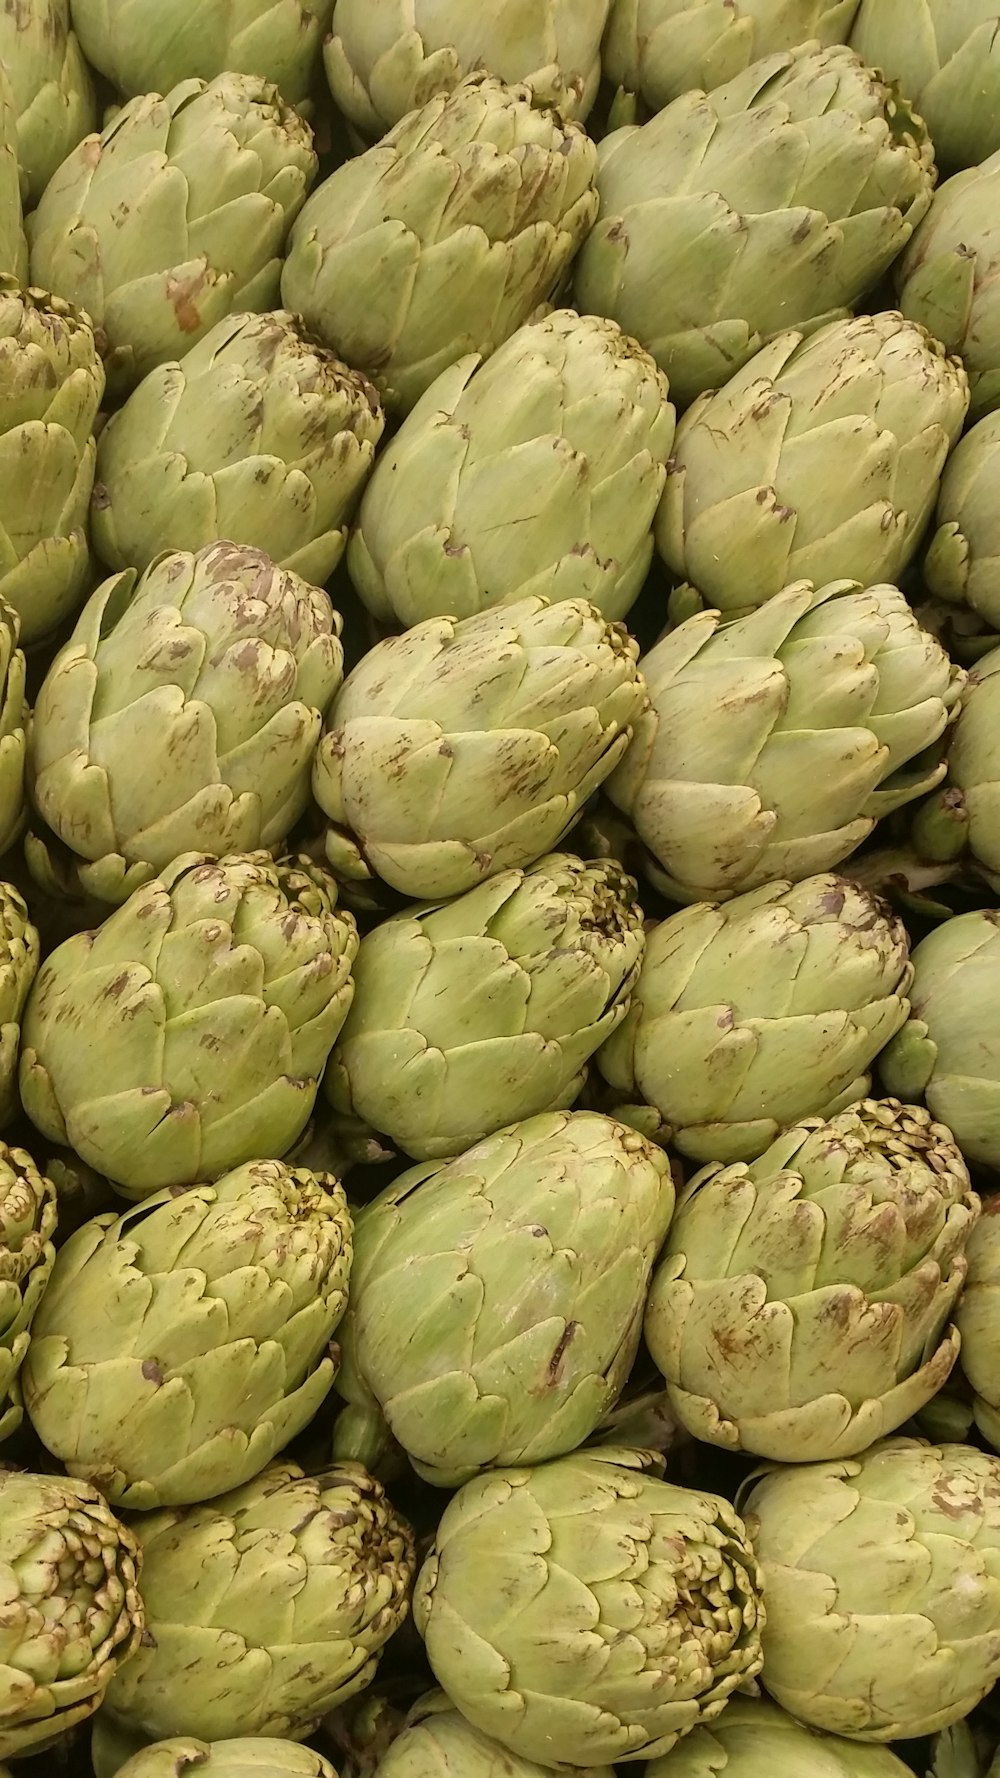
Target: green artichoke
(257, 1757)
(243, 960)
(179, 1347)
(445, 237)
(882, 1581)
(52, 88)
(174, 216)
(659, 49)
(144, 44)
(383, 61)
(819, 459)
(27, 1225)
(265, 1607)
(754, 1739)
(945, 55)
(772, 745)
(72, 1614)
(13, 719)
(586, 1611)
(978, 1320)
(974, 764)
(751, 1015)
(948, 1052)
(437, 1742)
(801, 1306)
(182, 715)
(539, 471)
(13, 245)
(496, 1304)
(469, 1015)
(963, 561)
(20, 951)
(772, 202)
(949, 276)
(468, 747)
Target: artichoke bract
(753, 1738)
(72, 1613)
(978, 1320)
(586, 1611)
(962, 564)
(771, 745)
(258, 434)
(445, 237)
(949, 276)
(538, 471)
(178, 1348)
(946, 58)
(751, 1015)
(182, 715)
(496, 1304)
(746, 511)
(13, 243)
(189, 1032)
(254, 1757)
(466, 747)
(437, 1742)
(27, 1225)
(140, 45)
(801, 1306)
(469, 1015)
(265, 1607)
(773, 202)
(882, 1581)
(20, 952)
(948, 1052)
(174, 216)
(52, 87)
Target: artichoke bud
(949, 277)
(260, 1757)
(139, 45)
(28, 1216)
(13, 246)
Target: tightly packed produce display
(499, 889)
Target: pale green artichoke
(496, 1303)
(13, 244)
(445, 237)
(382, 61)
(754, 1739)
(140, 45)
(243, 960)
(949, 276)
(772, 202)
(962, 564)
(587, 1611)
(945, 55)
(256, 1757)
(536, 472)
(882, 1581)
(948, 1053)
(174, 216)
(27, 1224)
(182, 715)
(437, 1742)
(752, 1015)
(13, 721)
(978, 1320)
(470, 1014)
(771, 746)
(179, 1347)
(974, 764)
(52, 88)
(20, 953)
(265, 1607)
(819, 459)
(801, 1305)
(72, 1614)
(468, 747)
(259, 435)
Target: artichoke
(819, 459)
(243, 960)
(754, 1739)
(142, 44)
(265, 1607)
(174, 216)
(974, 765)
(949, 276)
(461, 221)
(948, 1052)
(182, 714)
(772, 745)
(586, 1611)
(179, 1347)
(20, 951)
(13, 245)
(27, 1225)
(882, 1582)
(469, 1015)
(539, 471)
(751, 1015)
(773, 202)
(468, 747)
(496, 1304)
(963, 560)
(256, 1757)
(946, 58)
(13, 719)
(72, 1614)
(51, 85)
(437, 1742)
(800, 1308)
(978, 1320)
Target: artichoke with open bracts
(978, 1320)
(945, 56)
(437, 1742)
(254, 1757)
(962, 564)
(143, 44)
(20, 952)
(27, 1225)
(754, 1739)
(445, 237)
(949, 277)
(13, 245)
(52, 87)
(189, 1032)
